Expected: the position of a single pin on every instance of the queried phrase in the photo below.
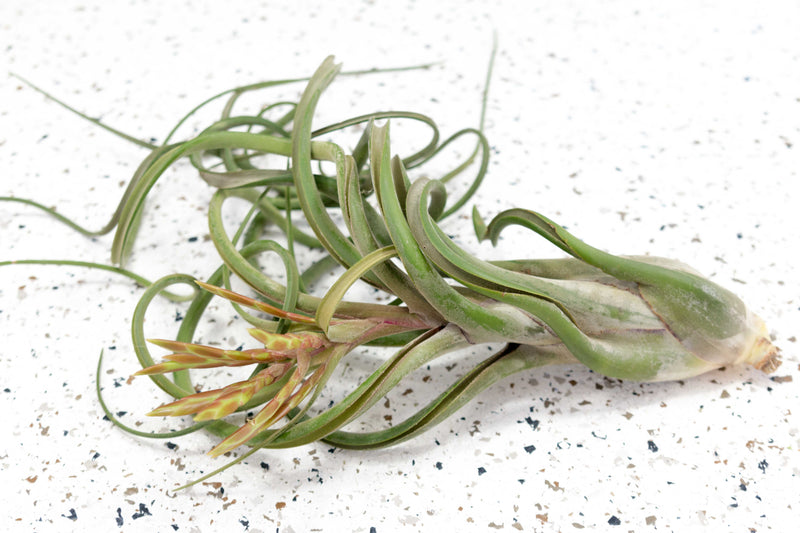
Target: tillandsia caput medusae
(635, 318)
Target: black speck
(373, 530)
(72, 515)
(437, 442)
(6, 390)
(438, 465)
(172, 446)
(264, 465)
(245, 522)
(192, 239)
(521, 481)
(534, 424)
(121, 413)
(763, 466)
(143, 511)
(652, 446)
(481, 470)
(174, 527)
(95, 456)
(614, 521)
(743, 487)
(530, 448)
(120, 520)
(178, 316)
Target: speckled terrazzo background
(660, 128)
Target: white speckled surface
(669, 129)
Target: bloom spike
(271, 413)
(255, 304)
(290, 344)
(217, 403)
(235, 395)
(186, 405)
(186, 361)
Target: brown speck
(228, 504)
(725, 394)
(131, 490)
(554, 486)
(216, 485)
(517, 526)
(577, 525)
(280, 505)
(542, 517)
(782, 379)
(752, 444)
(650, 520)
(495, 526)
(31, 479)
(628, 415)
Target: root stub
(771, 358)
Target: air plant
(634, 318)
